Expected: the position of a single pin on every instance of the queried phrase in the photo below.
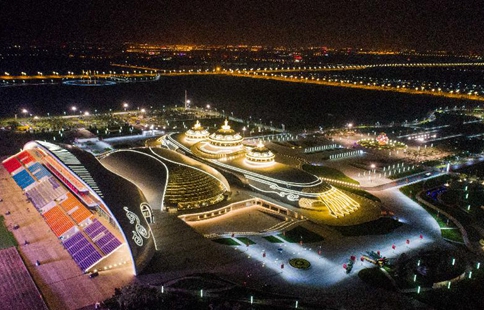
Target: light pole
(74, 109)
(125, 106)
(373, 166)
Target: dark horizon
(433, 25)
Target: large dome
(225, 136)
(197, 132)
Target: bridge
(277, 74)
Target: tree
(134, 297)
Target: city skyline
(368, 24)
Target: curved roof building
(105, 210)
(259, 170)
(169, 179)
(80, 201)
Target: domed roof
(197, 132)
(260, 148)
(226, 136)
(225, 130)
(260, 154)
(198, 127)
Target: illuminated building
(223, 144)
(107, 211)
(259, 170)
(260, 155)
(226, 137)
(197, 132)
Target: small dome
(197, 132)
(260, 154)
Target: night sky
(426, 24)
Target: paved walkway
(17, 288)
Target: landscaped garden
(299, 234)
(6, 237)
(440, 279)
(226, 241)
(299, 263)
(382, 143)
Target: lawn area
(197, 283)
(273, 239)
(461, 295)
(245, 240)
(226, 241)
(327, 172)
(381, 226)
(452, 234)
(376, 278)
(412, 189)
(7, 239)
(300, 233)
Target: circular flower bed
(375, 144)
(299, 263)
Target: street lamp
(74, 109)
(373, 166)
(125, 106)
